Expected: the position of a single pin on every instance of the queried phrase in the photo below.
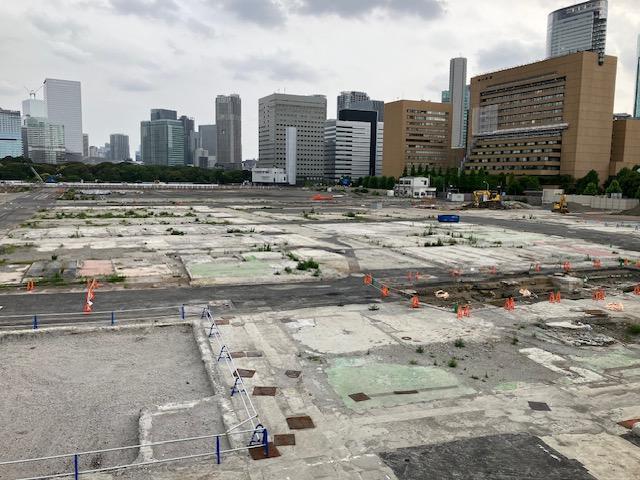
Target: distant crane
(32, 93)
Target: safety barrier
(238, 384)
(259, 439)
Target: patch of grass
(351, 214)
(420, 349)
(634, 329)
(8, 249)
(288, 269)
(413, 362)
(459, 343)
(514, 341)
(308, 265)
(115, 278)
(265, 248)
(292, 257)
(453, 363)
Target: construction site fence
(74, 461)
(98, 318)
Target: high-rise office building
(85, 145)
(162, 140)
(208, 138)
(457, 88)
(581, 27)
(375, 128)
(64, 106)
(33, 107)
(188, 124)
(45, 140)
(360, 101)
(446, 98)
(229, 131)
(348, 149)
(307, 113)
(118, 147)
(548, 118)
(416, 133)
(10, 134)
(636, 107)
(163, 114)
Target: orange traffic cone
(415, 302)
(368, 279)
(384, 291)
(636, 290)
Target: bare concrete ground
(84, 391)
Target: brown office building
(625, 145)
(547, 118)
(415, 133)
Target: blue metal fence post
(182, 312)
(113, 318)
(265, 441)
(35, 322)
(218, 449)
(75, 467)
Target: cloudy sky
(134, 55)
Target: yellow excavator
(486, 198)
(561, 205)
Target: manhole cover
(264, 391)
(244, 373)
(539, 406)
(293, 373)
(406, 338)
(300, 423)
(284, 439)
(258, 453)
(359, 397)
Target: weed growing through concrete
(459, 343)
(634, 329)
(115, 278)
(420, 349)
(310, 264)
(453, 363)
(413, 362)
(514, 341)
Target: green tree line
(19, 169)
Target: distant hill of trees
(19, 169)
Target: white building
(64, 107)
(347, 149)
(416, 187)
(269, 175)
(457, 94)
(291, 142)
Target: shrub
(308, 265)
(634, 329)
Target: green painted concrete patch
(240, 269)
(616, 358)
(380, 380)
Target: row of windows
(514, 159)
(538, 115)
(426, 112)
(510, 99)
(514, 167)
(528, 123)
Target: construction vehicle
(486, 198)
(561, 205)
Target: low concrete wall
(593, 201)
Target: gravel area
(84, 391)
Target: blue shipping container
(449, 218)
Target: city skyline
(168, 75)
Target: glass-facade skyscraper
(229, 131)
(162, 141)
(64, 107)
(578, 28)
(10, 134)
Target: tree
(373, 182)
(591, 189)
(365, 181)
(413, 170)
(391, 182)
(420, 171)
(614, 187)
(591, 177)
(404, 172)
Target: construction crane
(561, 205)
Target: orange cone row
(555, 297)
(599, 295)
(31, 286)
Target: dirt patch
(84, 391)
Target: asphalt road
(620, 240)
(23, 207)
(245, 298)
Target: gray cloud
(131, 84)
(70, 52)
(423, 8)
(167, 10)
(261, 12)
(509, 54)
(277, 66)
(7, 88)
